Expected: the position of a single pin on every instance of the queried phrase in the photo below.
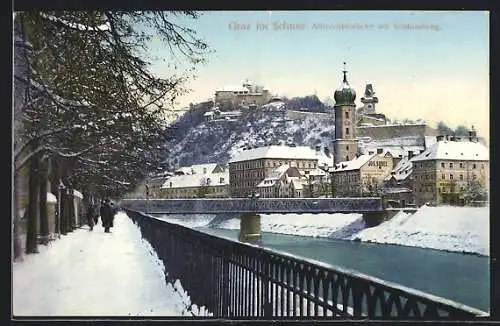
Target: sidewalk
(95, 274)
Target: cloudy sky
(429, 65)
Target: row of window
(450, 165)
(460, 177)
(260, 164)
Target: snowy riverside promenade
(97, 274)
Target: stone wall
(302, 115)
(395, 131)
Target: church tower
(345, 145)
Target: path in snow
(95, 274)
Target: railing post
(225, 284)
(266, 302)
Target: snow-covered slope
(461, 229)
(219, 140)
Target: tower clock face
(369, 106)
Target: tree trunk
(31, 241)
(71, 210)
(16, 236)
(44, 220)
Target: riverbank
(447, 228)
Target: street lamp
(60, 188)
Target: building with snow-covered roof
(452, 171)
(249, 167)
(277, 184)
(246, 94)
(362, 175)
(196, 185)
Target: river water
(459, 277)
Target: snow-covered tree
(92, 103)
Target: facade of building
(362, 176)
(450, 171)
(345, 145)
(250, 167)
(197, 181)
(278, 183)
(247, 94)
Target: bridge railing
(234, 279)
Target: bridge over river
(372, 208)
(256, 205)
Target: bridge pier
(375, 218)
(250, 228)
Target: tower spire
(345, 74)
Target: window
(347, 158)
(451, 176)
(451, 165)
(347, 114)
(346, 147)
(482, 166)
(442, 164)
(461, 165)
(474, 177)
(443, 177)
(474, 165)
(347, 131)
(461, 177)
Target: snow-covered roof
(396, 151)
(454, 150)
(198, 168)
(279, 105)
(184, 170)
(230, 113)
(354, 164)
(209, 113)
(396, 190)
(197, 180)
(275, 152)
(232, 89)
(317, 171)
(402, 170)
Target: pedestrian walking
(90, 216)
(106, 215)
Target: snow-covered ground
(457, 229)
(97, 274)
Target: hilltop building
(229, 97)
(452, 171)
(367, 114)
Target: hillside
(215, 141)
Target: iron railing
(234, 279)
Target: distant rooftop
(276, 152)
(454, 150)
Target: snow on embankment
(337, 226)
(458, 229)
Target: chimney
(380, 150)
(410, 154)
(473, 135)
(440, 138)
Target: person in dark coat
(90, 216)
(106, 215)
